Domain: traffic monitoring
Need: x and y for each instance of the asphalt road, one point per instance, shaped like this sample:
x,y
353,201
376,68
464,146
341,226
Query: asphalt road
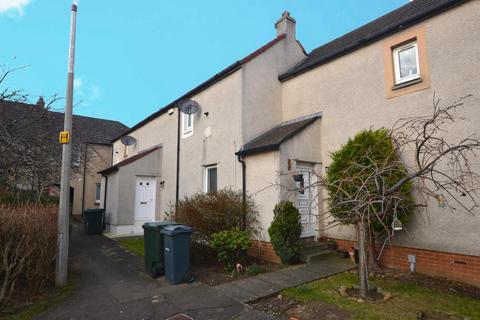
x,y
112,284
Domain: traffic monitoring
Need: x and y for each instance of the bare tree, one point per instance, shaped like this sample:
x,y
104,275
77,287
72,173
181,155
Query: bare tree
x,y
426,158
30,155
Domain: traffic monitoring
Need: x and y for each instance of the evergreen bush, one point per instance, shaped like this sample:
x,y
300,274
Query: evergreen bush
x,y
369,152
285,231
231,246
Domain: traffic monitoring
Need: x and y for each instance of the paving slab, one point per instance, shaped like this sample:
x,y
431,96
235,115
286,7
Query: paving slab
x,y
253,288
250,314
235,292
283,280
259,287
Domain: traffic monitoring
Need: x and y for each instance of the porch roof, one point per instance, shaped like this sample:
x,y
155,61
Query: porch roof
x,y
127,161
273,138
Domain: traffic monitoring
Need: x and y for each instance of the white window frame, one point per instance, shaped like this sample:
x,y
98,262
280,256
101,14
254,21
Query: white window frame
x,y
396,62
98,185
206,181
187,131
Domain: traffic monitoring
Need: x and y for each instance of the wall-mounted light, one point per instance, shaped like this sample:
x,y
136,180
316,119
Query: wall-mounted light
x,y
442,201
300,182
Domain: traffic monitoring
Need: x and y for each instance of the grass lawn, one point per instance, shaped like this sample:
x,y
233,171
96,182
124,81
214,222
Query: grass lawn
x,y
133,244
409,299
43,303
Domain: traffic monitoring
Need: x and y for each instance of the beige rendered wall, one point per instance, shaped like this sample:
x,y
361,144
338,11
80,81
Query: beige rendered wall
x,y
148,166
262,105
351,93
96,158
99,157
222,101
302,149
112,197
161,131
263,186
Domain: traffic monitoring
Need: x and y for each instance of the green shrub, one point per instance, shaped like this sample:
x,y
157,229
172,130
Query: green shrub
x,y
231,246
285,231
209,213
351,172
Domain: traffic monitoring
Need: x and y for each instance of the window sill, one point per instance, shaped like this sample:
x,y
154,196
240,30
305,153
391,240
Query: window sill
x,y
186,135
406,84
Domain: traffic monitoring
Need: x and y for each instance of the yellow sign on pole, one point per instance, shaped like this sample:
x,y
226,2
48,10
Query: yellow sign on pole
x,y
64,137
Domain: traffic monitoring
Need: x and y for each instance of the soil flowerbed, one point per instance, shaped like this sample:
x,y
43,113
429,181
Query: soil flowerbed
x,y
204,264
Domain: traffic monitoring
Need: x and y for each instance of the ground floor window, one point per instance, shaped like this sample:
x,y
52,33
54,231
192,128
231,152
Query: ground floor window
x,y
97,192
211,179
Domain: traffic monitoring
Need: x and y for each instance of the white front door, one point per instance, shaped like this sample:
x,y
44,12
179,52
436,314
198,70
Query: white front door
x,y
145,199
305,199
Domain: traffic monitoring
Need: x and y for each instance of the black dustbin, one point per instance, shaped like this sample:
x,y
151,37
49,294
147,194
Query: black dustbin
x,y
176,241
153,246
93,220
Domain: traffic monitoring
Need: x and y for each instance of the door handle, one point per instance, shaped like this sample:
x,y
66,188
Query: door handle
x,y
143,202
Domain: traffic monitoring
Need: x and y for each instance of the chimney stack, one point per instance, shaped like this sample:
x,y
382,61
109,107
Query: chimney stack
x,y
286,24
41,103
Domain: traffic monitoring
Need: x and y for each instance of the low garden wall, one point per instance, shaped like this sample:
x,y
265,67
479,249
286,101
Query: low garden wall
x,y
459,267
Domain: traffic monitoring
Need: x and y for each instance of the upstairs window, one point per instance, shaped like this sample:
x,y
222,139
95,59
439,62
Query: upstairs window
x,y
406,63
211,179
187,125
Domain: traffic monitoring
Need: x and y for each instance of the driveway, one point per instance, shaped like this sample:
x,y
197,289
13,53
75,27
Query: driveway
x,y
113,285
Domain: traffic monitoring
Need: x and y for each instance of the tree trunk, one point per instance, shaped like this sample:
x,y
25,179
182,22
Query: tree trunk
x,y
362,259
373,265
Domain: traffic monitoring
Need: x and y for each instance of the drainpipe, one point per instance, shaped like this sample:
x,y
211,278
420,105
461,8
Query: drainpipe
x,y
84,175
244,190
178,161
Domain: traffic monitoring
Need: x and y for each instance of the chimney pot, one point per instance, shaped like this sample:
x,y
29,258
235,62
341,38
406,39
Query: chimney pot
x,y
41,102
286,24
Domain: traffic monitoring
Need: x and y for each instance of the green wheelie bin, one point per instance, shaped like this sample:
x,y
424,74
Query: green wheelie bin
x,y
153,247
93,220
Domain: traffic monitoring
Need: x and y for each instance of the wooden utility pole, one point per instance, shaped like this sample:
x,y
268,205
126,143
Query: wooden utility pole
x,y
66,139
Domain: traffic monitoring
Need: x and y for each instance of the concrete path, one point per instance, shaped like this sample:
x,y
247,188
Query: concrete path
x,y
113,285
254,288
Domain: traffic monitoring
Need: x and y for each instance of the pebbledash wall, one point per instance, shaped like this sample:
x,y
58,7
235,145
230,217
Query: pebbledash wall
x,y
353,95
